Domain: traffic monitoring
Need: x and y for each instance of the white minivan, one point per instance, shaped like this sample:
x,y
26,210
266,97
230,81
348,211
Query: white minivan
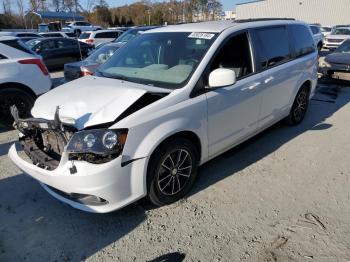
x,y
165,103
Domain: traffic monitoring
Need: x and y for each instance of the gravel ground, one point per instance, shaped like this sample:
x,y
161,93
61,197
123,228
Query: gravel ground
x,y
282,196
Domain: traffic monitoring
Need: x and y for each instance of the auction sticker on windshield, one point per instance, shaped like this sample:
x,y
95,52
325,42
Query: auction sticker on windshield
x,y
201,36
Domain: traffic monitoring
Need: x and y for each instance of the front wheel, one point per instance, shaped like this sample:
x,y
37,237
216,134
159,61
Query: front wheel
x,y
300,106
172,171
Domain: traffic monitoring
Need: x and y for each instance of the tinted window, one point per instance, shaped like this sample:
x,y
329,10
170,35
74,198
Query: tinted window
x,y
84,36
235,55
70,34
107,35
63,43
51,35
315,30
274,46
47,45
27,35
303,41
2,57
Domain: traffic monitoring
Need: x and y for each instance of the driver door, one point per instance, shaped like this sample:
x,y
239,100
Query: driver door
x,y
233,111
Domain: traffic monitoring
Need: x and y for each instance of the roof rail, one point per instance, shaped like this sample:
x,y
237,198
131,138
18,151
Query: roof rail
x,y
260,19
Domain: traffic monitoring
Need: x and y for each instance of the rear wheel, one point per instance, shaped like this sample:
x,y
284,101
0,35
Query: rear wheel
x,y
13,96
300,106
172,171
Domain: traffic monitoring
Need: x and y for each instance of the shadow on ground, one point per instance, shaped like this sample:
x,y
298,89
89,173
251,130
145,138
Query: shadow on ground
x,y
51,231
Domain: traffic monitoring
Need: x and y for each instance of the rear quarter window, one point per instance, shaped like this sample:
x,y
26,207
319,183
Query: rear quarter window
x,y
274,46
302,40
84,36
2,57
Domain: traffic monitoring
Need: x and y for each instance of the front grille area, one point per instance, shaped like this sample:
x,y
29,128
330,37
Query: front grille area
x,y
45,146
334,40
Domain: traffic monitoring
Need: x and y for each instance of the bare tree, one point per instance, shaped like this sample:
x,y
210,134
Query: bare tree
x,y
6,5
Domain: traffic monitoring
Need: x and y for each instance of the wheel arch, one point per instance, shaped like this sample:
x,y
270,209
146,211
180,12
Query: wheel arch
x,y
19,86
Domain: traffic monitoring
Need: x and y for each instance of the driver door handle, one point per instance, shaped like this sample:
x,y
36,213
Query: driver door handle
x,y
269,79
252,86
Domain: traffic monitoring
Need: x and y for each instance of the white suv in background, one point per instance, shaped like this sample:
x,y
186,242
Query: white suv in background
x,y
78,27
99,37
317,36
23,77
338,36
170,100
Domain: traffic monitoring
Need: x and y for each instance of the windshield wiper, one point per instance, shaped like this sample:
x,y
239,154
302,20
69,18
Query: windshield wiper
x,y
114,76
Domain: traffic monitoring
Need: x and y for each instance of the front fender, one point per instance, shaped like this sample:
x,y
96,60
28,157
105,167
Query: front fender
x,y
165,130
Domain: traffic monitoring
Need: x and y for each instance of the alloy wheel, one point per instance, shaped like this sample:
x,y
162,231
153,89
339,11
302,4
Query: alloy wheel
x,y
174,172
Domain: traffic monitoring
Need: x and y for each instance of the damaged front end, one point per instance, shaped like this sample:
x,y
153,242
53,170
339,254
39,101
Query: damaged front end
x,y
43,140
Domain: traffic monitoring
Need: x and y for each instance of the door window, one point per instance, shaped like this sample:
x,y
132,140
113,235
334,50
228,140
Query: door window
x,y
235,55
303,41
47,45
63,44
273,45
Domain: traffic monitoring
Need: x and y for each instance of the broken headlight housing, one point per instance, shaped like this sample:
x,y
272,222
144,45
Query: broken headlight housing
x,y
97,146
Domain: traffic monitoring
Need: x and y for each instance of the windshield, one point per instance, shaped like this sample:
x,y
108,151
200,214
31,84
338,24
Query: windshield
x,y
127,36
344,48
67,24
164,60
341,31
101,55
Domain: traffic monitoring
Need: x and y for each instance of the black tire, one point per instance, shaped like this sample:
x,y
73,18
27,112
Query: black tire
x,y
14,96
300,106
160,167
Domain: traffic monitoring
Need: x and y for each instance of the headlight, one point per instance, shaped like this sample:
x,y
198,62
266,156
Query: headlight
x,y
324,63
97,146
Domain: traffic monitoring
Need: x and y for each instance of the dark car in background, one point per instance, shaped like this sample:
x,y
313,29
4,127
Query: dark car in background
x,y
58,51
128,35
91,63
337,64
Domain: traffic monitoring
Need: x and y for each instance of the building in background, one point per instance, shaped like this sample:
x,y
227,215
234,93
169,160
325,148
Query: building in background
x,y
230,15
324,12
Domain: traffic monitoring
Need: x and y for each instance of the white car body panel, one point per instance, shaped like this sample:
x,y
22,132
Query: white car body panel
x,y
220,118
14,72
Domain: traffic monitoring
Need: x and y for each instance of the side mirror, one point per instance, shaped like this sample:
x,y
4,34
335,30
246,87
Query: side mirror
x,y
222,77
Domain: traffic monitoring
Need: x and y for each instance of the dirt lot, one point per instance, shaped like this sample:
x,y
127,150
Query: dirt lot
x,y
283,196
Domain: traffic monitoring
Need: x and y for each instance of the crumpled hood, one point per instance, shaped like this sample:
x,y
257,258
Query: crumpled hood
x,y
87,101
338,58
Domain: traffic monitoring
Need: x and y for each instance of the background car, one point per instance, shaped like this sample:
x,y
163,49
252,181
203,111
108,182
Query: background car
x,y
326,30
91,63
337,37
99,37
129,35
58,51
21,34
78,27
23,77
317,36
58,34
337,64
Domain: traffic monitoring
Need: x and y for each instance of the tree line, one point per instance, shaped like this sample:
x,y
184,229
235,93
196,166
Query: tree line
x,y
98,12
